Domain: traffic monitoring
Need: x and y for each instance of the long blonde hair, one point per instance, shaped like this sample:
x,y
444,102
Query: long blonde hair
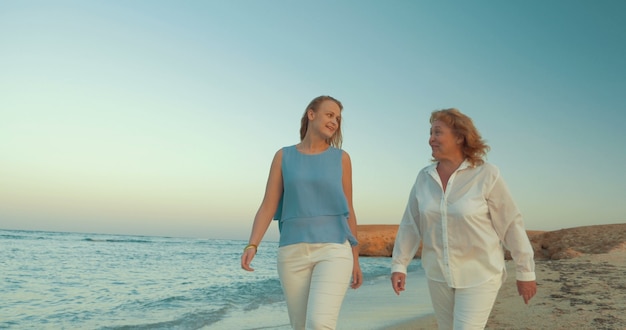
x,y
474,148
337,138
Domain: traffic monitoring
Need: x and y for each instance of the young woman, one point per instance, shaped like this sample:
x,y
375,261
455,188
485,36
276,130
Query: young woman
x,y
309,190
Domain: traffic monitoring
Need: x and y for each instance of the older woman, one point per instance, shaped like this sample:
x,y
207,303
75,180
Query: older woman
x,y
462,212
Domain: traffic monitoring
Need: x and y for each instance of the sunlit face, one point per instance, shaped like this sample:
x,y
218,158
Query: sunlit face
x,y
325,121
443,141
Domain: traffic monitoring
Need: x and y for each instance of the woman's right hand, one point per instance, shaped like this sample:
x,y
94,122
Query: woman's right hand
x,y
246,259
397,282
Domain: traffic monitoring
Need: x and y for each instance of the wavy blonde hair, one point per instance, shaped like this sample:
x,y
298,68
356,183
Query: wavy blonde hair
x,y
337,138
474,148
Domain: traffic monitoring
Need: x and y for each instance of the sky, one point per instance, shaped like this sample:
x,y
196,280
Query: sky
x,y
162,117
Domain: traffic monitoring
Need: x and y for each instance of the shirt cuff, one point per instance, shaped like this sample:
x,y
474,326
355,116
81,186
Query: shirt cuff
x,y
528,276
398,268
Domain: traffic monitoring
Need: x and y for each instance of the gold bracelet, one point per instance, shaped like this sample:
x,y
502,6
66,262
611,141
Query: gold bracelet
x,y
250,246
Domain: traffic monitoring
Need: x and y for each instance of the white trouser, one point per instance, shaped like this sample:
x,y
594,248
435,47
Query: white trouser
x,y
465,309
315,278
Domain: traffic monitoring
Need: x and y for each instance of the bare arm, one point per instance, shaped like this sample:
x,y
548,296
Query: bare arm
x,y
357,275
263,217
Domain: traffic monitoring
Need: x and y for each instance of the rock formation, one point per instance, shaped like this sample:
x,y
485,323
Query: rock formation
x,y
378,240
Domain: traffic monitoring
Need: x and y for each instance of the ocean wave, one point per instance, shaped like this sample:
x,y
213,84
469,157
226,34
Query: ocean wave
x,y
80,281
116,240
192,320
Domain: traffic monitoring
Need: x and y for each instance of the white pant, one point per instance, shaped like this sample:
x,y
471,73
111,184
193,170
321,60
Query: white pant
x,y
465,309
315,278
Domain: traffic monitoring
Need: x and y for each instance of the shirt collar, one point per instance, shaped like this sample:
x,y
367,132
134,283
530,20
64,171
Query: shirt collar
x,y
464,165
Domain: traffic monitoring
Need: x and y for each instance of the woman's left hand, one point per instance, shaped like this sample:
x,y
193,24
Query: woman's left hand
x,y
527,289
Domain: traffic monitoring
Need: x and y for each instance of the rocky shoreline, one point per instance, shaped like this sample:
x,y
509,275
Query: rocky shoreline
x,y
378,240
581,280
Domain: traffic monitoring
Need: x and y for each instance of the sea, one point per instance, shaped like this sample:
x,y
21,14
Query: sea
x,y
58,280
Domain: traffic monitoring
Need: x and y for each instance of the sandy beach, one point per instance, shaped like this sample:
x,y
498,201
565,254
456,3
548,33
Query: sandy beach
x,y
587,292
581,279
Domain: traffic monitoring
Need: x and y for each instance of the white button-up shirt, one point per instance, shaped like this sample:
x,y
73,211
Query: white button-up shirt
x,y
463,230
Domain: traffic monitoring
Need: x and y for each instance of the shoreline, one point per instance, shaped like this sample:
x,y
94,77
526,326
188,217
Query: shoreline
x,y
374,306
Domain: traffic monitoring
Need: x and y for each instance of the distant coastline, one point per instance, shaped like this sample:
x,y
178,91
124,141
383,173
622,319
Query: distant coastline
x,y
378,240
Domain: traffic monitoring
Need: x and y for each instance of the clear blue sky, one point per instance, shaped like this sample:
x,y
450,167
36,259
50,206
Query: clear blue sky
x,y
162,117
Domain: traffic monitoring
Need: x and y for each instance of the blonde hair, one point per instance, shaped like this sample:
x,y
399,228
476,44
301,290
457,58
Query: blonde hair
x,y
337,138
474,148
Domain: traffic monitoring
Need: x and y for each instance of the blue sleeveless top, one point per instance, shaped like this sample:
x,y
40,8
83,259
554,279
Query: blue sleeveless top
x,y
313,208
